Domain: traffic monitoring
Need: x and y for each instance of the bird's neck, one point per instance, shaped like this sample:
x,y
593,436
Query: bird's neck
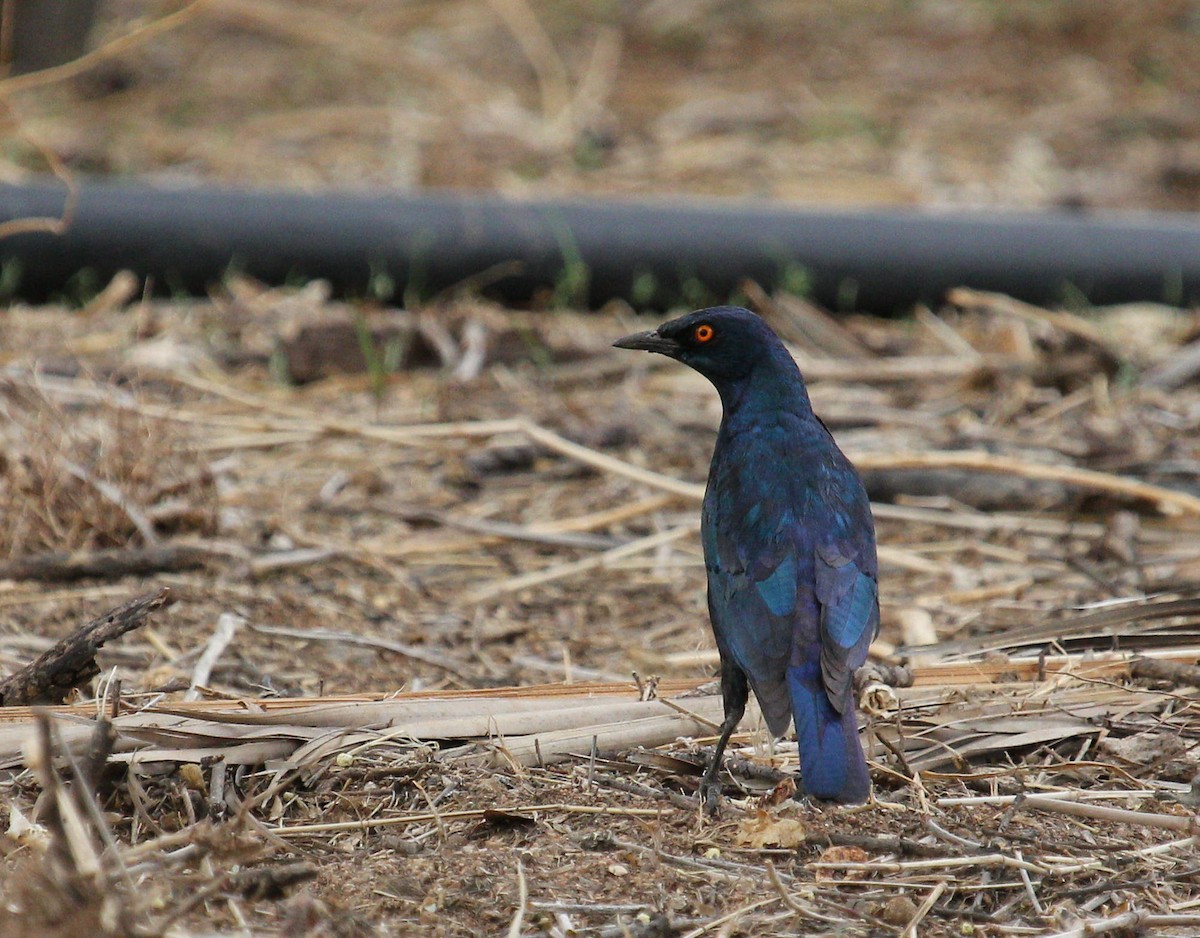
x,y
774,385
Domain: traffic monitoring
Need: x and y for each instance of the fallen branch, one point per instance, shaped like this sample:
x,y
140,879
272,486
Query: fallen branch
x,y
72,661
104,564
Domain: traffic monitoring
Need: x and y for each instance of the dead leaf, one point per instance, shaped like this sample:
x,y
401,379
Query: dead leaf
x,y
782,793
764,830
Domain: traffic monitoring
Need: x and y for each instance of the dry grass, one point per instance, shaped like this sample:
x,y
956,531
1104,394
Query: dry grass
x,y
80,477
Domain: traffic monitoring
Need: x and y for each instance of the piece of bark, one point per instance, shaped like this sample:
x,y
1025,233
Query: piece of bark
x,y
110,564
50,677
1176,672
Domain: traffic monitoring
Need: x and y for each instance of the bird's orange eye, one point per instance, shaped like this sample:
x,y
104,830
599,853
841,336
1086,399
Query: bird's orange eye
x,y
704,333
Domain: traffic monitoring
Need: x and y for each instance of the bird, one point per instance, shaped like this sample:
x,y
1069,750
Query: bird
x,y
789,551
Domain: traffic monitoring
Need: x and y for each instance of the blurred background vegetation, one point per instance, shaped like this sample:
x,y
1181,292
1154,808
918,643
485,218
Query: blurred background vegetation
x,y
1023,103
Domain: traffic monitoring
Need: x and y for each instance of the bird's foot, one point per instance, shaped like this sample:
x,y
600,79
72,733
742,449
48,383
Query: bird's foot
x,y
710,796
842,807
873,803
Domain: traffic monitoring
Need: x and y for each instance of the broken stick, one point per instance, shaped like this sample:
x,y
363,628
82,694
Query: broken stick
x,y
104,564
72,661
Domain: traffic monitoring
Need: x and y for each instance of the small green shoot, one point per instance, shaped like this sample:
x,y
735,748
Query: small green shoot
x,y
1073,298
279,367
381,285
539,352
416,287
10,278
376,359
81,287
643,289
571,285
1172,287
847,294
695,292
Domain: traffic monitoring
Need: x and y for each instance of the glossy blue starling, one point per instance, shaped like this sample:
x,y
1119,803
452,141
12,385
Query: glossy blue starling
x,y
789,546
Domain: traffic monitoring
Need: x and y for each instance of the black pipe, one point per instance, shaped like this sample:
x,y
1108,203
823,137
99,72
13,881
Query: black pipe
x,y
653,253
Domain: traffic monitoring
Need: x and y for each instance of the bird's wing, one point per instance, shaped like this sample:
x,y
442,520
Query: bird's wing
x,y
753,580
791,566
848,596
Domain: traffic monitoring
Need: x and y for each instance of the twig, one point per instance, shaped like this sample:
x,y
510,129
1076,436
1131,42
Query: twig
x,y
729,917
444,662
514,930
950,836
529,662
909,866
1115,815
56,226
1168,501
105,564
296,830
710,866
590,457
1174,671
290,559
120,290
1175,370
1029,890
85,798
1069,323
1135,921
1063,796
910,930
788,899
588,908
991,521
558,572
501,529
227,625
547,64
71,840
636,788
711,724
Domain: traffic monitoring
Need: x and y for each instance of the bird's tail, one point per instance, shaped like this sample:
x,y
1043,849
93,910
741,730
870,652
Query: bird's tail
x,y
832,764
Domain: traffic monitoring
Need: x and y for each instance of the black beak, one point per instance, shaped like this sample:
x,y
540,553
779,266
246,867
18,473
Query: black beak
x,y
650,342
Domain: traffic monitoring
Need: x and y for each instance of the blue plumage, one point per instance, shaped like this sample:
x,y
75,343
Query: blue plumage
x,y
789,546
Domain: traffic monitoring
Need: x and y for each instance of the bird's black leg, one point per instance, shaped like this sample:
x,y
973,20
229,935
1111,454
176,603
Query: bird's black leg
x,y
734,691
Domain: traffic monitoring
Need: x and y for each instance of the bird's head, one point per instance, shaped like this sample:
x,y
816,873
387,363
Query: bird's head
x,y
724,343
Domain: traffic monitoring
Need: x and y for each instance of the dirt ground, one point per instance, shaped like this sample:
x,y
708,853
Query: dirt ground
x,y
466,498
